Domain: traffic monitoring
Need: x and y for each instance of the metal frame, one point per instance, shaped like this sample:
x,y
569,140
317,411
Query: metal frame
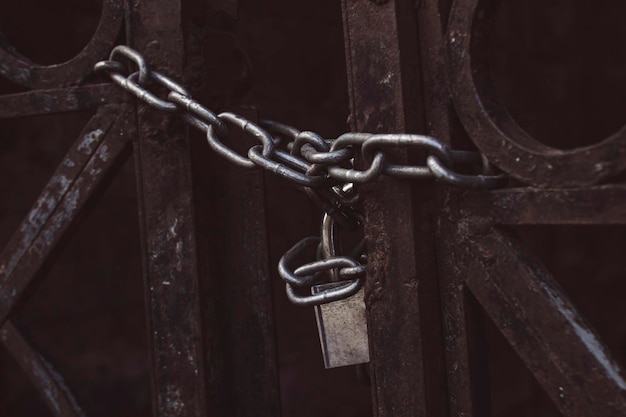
x,y
432,250
177,324
476,259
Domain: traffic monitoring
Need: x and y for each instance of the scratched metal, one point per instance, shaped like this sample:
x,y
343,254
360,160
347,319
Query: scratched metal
x,y
342,329
492,128
58,100
163,169
552,338
478,268
400,292
97,152
236,290
602,204
465,392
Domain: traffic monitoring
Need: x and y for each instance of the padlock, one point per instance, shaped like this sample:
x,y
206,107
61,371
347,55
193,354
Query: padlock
x,y
342,329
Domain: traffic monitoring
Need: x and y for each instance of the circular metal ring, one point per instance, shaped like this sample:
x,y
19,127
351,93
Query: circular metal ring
x,y
493,129
24,72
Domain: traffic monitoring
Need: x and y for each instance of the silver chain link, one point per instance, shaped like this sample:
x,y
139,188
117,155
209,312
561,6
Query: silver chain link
x,y
325,169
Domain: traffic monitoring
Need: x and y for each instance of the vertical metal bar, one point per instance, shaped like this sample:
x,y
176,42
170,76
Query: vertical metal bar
x,y
467,380
237,302
383,75
167,224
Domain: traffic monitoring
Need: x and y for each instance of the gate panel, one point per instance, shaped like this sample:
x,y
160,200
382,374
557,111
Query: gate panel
x,y
482,269
163,170
441,260
401,291
478,269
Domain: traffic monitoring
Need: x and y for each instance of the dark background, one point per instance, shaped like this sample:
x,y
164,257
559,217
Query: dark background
x,y
557,65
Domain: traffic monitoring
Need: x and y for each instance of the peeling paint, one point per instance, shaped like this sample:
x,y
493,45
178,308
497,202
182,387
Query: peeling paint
x,y
103,152
172,228
387,79
89,139
64,215
173,403
36,218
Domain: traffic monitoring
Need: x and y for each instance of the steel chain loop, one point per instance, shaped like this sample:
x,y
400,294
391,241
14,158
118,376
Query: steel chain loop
x,y
325,169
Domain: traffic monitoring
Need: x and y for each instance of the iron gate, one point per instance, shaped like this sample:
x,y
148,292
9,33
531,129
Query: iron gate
x,y
441,260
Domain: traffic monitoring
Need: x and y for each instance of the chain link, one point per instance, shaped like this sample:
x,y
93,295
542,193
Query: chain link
x,y
325,169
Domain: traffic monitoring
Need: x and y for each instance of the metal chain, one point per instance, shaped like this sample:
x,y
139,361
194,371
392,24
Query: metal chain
x,y
325,169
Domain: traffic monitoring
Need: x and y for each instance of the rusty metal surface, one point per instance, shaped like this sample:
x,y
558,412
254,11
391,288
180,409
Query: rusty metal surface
x,y
465,391
89,162
243,366
439,261
58,100
483,271
492,128
582,206
231,225
543,326
167,225
554,340
468,385
235,285
401,289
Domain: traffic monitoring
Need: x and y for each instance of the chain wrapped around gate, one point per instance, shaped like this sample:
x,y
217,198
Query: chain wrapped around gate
x,y
325,169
